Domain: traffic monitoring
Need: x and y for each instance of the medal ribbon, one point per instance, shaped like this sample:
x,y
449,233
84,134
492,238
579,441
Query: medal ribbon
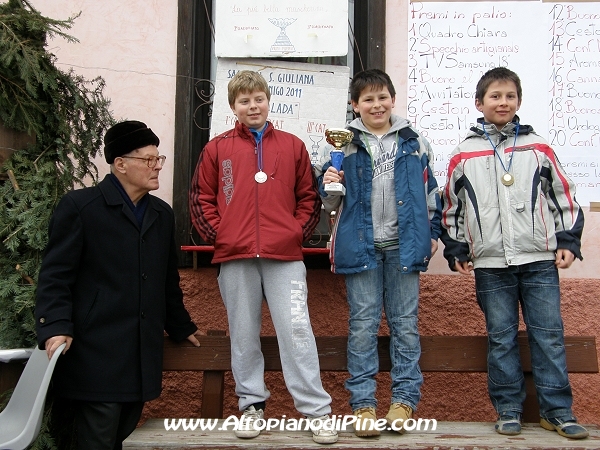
x,y
258,135
506,170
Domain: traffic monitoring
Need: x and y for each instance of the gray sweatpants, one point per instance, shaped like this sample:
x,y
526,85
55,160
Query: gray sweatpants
x,y
242,283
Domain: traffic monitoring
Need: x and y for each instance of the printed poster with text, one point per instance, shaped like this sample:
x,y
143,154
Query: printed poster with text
x,y
285,28
553,47
573,86
450,46
306,99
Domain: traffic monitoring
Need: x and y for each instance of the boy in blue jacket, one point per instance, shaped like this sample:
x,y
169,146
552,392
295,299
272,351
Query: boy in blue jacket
x,y
385,233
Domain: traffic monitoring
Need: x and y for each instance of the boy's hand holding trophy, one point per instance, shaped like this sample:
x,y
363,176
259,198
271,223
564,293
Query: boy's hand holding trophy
x,y
338,137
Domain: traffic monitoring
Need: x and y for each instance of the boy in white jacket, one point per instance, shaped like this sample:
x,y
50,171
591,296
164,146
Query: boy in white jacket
x,y
510,215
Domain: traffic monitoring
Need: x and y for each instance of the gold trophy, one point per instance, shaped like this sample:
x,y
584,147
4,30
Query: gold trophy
x,y
338,137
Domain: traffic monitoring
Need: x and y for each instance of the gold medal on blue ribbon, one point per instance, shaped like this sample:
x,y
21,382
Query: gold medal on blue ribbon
x,y
507,179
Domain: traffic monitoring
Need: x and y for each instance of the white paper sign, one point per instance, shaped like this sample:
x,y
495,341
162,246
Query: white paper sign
x,y
450,46
306,99
553,47
286,28
573,86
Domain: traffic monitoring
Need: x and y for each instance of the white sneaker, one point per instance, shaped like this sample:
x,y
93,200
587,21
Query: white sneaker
x,y
323,430
246,428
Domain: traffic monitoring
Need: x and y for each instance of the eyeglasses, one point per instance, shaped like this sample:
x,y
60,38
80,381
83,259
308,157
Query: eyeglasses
x,y
151,161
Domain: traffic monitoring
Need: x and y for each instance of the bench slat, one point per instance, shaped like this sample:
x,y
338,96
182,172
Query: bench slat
x,y
448,435
439,354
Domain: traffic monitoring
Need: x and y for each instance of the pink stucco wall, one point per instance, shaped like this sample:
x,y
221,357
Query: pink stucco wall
x,y
447,307
133,47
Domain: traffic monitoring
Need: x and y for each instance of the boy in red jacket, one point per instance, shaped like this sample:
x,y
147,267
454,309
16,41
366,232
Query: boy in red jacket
x,y
254,197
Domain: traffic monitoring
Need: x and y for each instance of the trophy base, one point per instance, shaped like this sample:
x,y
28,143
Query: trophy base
x,y
335,189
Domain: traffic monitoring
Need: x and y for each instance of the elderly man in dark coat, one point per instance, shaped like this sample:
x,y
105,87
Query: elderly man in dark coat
x,y
109,288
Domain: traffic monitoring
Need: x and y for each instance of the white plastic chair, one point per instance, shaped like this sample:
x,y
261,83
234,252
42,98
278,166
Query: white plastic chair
x,y
21,420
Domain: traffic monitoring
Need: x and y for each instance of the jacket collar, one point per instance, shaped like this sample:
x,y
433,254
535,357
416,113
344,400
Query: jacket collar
x,y
397,123
113,197
509,129
243,131
400,126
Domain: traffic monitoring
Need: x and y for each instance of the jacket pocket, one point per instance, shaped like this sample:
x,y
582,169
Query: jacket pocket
x,y
275,174
90,312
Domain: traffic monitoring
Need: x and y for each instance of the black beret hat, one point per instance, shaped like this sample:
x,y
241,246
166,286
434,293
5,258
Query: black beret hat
x,y
126,137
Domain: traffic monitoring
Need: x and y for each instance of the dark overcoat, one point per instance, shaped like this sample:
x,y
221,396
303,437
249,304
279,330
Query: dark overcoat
x,y
114,287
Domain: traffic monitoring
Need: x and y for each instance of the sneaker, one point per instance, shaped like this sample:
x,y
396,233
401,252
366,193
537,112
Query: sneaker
x,y
365,423
323,434
397,415
509,423
246,428
568,428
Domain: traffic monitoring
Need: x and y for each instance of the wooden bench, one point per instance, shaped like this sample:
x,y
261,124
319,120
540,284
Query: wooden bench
x,y
195,249
439,354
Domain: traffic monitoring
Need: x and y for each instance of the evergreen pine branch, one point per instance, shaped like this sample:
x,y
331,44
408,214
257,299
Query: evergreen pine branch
x,y
68,116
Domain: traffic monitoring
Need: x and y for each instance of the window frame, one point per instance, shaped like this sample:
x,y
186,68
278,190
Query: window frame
x,y
194,91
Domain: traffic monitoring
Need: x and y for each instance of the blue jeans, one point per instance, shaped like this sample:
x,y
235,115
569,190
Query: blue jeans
x,y
536,287
397,292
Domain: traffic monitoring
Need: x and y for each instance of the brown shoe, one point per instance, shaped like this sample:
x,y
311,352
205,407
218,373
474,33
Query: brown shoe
x,y
397,415
365,425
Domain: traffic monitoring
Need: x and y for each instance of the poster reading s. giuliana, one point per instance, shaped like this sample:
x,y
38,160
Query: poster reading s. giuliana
x,y
306,99
282,28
